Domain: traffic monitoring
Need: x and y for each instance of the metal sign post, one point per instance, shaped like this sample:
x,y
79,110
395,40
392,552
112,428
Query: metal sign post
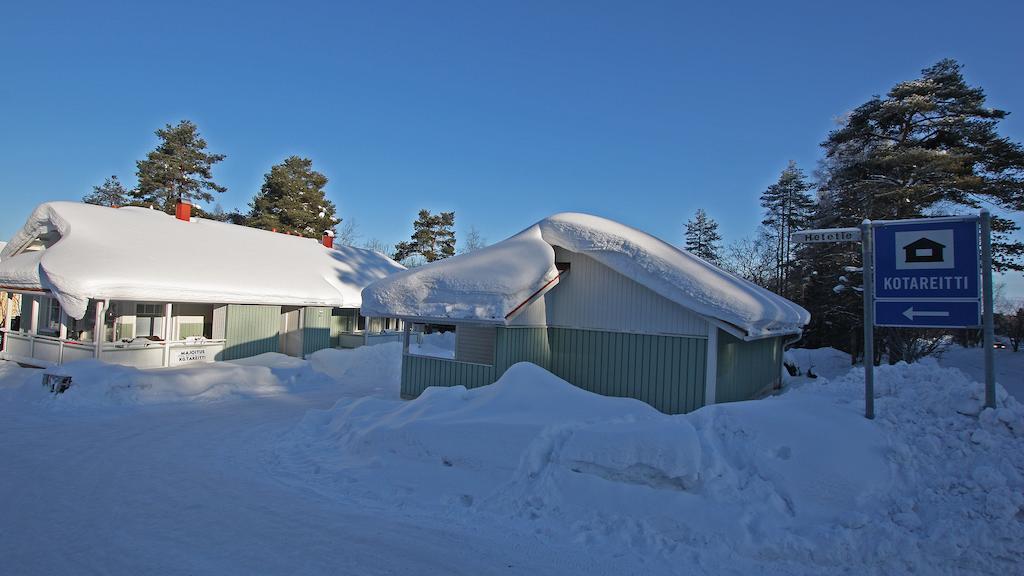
x,y
989,329
868,260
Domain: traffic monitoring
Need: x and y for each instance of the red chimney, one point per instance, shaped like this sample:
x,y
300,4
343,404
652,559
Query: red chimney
x,y
183,211
328,239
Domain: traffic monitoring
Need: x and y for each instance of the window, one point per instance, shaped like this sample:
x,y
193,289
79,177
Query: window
x,y
434,340
49,316
149,320
473,343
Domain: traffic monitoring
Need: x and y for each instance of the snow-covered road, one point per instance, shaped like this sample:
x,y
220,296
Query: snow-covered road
x,y
187,490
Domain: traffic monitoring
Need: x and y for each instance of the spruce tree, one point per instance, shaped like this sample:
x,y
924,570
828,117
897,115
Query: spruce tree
x,y
433,237
292,200
179,168
702,237
110,193
788,207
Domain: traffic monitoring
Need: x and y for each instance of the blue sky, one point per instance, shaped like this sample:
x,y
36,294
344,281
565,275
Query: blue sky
x,y
502,111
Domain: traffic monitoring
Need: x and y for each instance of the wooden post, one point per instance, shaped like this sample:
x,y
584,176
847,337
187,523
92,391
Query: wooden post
x,y
711,366
33,326
168,333
99,330
62,335
10,311
8,308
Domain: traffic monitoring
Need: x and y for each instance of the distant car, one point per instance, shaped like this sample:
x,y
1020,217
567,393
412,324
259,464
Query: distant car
x,y
998,344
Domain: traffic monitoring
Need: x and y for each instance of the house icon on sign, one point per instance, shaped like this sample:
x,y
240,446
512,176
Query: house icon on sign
x,y
924,250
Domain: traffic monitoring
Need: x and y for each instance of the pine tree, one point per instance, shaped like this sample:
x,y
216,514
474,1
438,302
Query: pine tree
x,y
292,200
702,237
930,145
110,193
433,237
788,207
178,169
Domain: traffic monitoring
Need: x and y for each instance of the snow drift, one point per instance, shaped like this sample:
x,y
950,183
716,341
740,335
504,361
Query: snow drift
x,y
799,483
362,372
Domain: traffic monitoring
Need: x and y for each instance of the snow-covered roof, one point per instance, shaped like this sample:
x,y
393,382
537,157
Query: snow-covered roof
x,y
142,254
489,284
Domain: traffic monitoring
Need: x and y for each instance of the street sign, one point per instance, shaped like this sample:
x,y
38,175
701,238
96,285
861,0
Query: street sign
x,y
826,235
926,273
927,314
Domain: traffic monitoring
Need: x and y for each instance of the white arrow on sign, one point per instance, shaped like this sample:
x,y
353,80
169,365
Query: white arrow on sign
x,y
911,313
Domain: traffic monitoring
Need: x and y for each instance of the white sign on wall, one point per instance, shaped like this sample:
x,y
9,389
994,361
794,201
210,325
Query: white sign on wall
x,y
189,355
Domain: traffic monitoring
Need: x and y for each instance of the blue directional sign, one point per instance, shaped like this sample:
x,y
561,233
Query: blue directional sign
x,y
927,273
927,314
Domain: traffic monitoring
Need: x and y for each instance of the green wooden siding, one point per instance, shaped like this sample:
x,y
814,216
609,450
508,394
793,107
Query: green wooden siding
x,y
667,372
190,329
316,331
521,345
747,369
421,372
250,330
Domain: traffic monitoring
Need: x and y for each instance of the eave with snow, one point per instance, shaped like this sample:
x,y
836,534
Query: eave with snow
x,y
173,289
582,296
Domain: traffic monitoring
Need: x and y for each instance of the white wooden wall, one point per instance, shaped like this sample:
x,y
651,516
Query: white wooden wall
x,y
593,296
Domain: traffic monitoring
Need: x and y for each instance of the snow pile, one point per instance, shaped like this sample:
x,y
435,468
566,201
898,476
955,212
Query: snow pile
x,y
798,483
827,362
96,383
486,428
365,371
459,444
490,283
960,496
226,262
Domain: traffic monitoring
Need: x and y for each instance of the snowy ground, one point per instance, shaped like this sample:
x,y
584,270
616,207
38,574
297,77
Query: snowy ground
x,y
281,466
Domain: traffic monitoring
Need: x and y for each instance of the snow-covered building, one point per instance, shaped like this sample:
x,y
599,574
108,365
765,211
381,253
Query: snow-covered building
x,y
602,305
139,287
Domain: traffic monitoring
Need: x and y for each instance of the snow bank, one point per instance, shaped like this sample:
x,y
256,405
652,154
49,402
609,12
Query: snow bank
x,y
490,283
827,362
365,371
490,428
225,262
798,483
96,383
360,372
